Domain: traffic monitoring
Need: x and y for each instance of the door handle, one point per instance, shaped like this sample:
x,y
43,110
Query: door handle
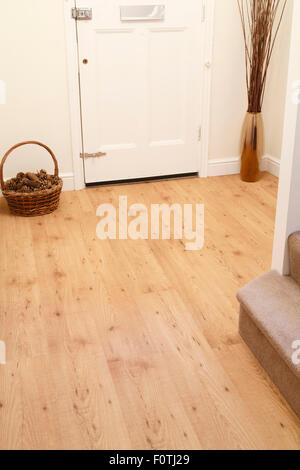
x,y
93,155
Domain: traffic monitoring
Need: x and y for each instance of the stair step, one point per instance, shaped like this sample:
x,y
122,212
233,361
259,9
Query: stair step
x,y
273,303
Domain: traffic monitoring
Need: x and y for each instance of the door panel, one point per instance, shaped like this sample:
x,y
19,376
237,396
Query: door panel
x,y
167,85
140,90
117,85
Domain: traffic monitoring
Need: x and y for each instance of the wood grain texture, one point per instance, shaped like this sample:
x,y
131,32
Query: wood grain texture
x,y
134,344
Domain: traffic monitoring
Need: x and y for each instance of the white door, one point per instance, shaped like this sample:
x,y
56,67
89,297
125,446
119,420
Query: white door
x,y
141,85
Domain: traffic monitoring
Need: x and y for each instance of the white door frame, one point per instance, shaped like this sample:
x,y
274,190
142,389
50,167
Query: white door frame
x,y
74,90
288,211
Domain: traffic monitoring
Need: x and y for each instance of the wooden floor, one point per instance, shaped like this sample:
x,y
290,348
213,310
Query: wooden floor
x,y
134,344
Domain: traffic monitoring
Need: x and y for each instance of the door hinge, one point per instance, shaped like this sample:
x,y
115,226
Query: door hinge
x,y
93,155
82,13
200,134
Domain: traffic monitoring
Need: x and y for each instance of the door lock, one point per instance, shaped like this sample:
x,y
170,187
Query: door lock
x,y
82,13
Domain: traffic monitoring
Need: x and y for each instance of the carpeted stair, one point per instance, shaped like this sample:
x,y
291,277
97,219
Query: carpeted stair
x,y
270,324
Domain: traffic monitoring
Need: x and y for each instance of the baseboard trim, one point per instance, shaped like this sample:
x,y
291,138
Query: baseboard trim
x,y
216,167
69,181
231,166
224,166
272,165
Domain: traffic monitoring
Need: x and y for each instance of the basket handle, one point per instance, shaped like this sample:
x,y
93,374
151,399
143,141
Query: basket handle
x,y
30,142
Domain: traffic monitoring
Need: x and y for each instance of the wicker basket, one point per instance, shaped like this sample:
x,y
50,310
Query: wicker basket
x,y
36,203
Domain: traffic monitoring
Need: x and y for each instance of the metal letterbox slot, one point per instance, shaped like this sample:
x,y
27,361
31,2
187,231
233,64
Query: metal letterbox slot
x,y
142,12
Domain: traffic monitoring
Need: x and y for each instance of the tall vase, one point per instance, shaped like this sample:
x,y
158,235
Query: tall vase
x,y
252,145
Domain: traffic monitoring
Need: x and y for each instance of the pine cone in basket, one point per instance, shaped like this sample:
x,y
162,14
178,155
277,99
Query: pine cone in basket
x,y
31,182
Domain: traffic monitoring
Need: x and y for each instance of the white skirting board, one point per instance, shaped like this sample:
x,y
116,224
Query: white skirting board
x,y
216,167
231,166
69,183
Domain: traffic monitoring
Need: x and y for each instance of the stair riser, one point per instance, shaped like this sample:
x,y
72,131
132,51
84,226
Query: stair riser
x,y
277,369
294,253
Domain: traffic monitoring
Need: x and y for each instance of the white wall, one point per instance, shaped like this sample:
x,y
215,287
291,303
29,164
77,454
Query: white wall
x,y
274,105
229,99
33,64
229,95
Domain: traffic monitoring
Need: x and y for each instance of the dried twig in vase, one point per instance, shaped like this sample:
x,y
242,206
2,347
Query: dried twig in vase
x,y
261,20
